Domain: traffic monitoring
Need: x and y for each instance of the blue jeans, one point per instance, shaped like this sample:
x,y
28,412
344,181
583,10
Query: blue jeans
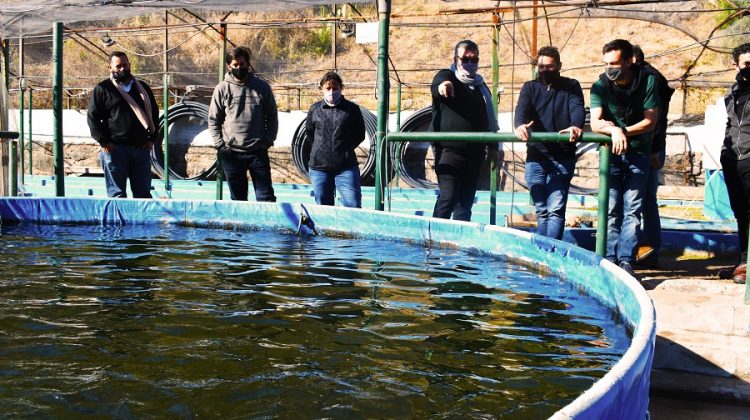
x,y
628,176
345,181
127,161
549,182
651,233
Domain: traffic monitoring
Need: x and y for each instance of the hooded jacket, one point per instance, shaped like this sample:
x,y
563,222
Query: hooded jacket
x,y
737,134
335,132
243,115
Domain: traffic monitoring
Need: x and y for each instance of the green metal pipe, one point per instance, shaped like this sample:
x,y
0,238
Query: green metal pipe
x,y
31,108
21,124
222,70
492,137
167,187
13,169
604,157
493,193
603,204
384,15
57,107
495,60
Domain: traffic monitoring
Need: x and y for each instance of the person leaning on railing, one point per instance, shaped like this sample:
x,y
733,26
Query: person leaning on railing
x,y
625,106
549,103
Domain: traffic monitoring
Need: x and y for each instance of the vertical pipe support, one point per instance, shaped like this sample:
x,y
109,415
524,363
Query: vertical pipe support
x,y
495,105
57,107
603,205
384,14
21,108
31,107
165,146
222,70
13,168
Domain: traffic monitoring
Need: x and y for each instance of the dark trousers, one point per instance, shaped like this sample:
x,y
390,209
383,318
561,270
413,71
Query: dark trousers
x,y
237,165
457,182
737,178
127,162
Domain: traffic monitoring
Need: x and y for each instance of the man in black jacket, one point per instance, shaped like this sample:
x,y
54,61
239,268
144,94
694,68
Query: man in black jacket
x,y
461,102
335,128
123,116
550,103
735,155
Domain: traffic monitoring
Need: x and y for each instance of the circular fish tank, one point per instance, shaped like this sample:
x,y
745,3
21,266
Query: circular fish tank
x,y
129,308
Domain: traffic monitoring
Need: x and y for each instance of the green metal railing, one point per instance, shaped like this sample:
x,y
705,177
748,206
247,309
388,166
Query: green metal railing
x,y
604,157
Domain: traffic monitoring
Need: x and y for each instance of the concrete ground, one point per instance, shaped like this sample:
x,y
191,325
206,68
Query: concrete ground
x,y
702,357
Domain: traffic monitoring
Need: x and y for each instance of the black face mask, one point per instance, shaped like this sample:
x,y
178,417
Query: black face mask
x,y
240,73
121,76
549,77
744,74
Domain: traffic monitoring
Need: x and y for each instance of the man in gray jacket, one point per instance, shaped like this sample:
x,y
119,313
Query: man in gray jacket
x,y
734,156
243,123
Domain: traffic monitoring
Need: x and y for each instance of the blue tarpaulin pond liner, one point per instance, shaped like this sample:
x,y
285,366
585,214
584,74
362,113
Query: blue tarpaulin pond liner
x,y
622,393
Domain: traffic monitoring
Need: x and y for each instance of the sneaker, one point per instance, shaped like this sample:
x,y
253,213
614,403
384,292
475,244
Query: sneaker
x,y
726,273
629,269
643,252
739,275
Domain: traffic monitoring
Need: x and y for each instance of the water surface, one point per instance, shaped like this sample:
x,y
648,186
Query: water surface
x,y
168,321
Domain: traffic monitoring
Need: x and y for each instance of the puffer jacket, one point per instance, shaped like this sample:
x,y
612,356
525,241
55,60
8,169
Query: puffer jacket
x,y
335,132
243,115
737,134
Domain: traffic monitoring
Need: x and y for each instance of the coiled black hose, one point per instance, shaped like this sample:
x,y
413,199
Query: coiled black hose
x,y
301,147
414,158
193,118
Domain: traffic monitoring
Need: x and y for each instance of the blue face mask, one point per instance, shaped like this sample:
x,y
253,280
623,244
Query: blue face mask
x,y
470,68
332,97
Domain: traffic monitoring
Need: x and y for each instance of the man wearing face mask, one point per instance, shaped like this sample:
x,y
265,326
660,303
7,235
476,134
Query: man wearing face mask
x,y
335,128
461,102
243,123
123,117
735,154
625,106
547,104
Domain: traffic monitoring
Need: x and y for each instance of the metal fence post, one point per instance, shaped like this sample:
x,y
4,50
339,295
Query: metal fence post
x,y
603,206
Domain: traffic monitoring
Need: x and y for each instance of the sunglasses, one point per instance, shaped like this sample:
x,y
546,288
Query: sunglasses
x,y
466,60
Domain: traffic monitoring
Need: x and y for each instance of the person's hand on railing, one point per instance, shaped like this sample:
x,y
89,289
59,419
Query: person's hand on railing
x,y
523,131
619,141
575,133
